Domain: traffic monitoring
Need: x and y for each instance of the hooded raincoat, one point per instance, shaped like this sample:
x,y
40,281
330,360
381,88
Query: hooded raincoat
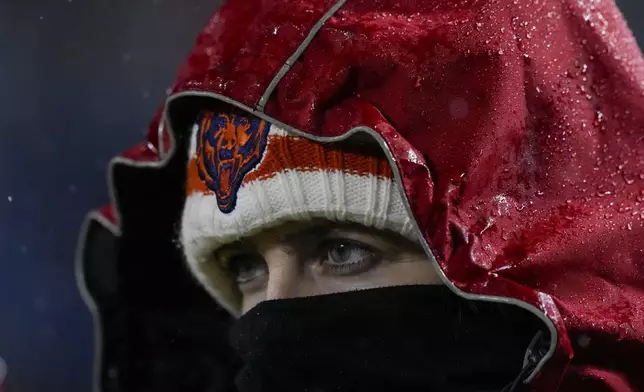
x,y
515,129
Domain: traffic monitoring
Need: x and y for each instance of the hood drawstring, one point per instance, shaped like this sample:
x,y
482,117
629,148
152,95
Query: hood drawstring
x,y
537,349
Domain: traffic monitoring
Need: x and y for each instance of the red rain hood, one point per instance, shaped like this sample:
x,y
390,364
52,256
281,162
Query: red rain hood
x,y
516,128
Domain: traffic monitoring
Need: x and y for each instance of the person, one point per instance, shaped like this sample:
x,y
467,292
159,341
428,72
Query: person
x,y
437,195
312,245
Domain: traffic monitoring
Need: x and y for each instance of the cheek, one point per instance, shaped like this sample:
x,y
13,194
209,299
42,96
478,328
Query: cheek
x,y
409,273
249,301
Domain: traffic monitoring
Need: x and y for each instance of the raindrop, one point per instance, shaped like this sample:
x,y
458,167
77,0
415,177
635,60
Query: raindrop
x,y
42,17
629,226
458,108
10,199
526,59
603,193
584,341
599,119
72,188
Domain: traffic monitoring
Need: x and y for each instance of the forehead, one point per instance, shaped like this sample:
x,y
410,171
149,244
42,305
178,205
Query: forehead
x,y
292,231
296,231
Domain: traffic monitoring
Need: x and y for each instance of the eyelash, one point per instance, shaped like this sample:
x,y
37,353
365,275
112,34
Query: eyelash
x,y
322,257
348,268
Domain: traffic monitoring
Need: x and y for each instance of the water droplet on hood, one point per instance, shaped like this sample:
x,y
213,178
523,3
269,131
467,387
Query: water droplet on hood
x,y
526,59
459,108
583,341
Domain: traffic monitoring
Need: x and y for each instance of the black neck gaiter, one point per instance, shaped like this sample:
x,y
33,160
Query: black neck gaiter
x,y
406,338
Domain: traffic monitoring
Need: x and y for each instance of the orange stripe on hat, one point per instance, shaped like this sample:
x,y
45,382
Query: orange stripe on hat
x,y
293,153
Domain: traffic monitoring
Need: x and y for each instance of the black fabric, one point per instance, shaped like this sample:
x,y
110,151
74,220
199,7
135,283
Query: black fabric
x,y
407,338
161,332
99,270
101,280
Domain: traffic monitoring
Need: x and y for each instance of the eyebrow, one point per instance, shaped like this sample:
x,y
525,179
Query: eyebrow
x,y
319,228
314,229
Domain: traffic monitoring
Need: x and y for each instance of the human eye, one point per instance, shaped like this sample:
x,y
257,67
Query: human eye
x,y
348,257
247,269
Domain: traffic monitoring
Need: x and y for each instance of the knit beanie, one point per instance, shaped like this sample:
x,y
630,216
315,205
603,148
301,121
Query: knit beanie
x,y
246,175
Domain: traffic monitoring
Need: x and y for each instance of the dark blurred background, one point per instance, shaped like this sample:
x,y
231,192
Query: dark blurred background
x,y
79,82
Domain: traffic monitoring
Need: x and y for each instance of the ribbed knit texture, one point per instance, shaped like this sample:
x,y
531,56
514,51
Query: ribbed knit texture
x,y
296,179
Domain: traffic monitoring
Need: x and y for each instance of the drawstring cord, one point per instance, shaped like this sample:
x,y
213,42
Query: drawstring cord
x,y
535,352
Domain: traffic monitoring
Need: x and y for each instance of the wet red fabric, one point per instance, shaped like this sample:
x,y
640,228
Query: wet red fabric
x,y
518,130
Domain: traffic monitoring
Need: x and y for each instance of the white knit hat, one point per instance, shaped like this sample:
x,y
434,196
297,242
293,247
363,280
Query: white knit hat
x,y
246,175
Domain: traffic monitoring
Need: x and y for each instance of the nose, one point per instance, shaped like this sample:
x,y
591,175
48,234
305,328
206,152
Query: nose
x,y
286,277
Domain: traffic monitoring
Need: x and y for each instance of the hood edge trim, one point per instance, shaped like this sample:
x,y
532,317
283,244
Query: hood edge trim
x,y
88,300
96,216
298,52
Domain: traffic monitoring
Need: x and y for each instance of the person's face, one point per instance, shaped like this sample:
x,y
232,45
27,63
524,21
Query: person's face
x,y
321,257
